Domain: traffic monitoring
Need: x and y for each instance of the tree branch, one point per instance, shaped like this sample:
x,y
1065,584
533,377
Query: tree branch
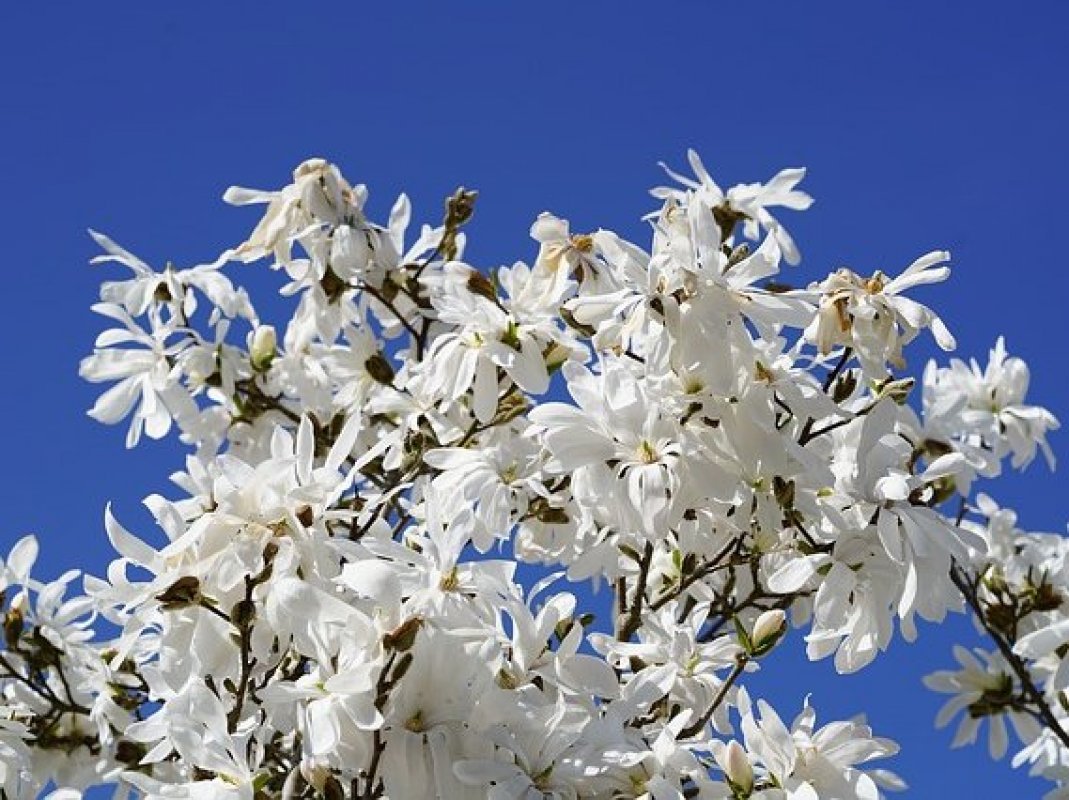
x,y
967,587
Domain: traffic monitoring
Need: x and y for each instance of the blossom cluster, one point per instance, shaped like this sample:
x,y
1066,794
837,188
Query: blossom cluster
x,y
690,454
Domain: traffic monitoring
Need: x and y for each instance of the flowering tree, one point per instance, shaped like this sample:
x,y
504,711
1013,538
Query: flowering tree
x,y
336,611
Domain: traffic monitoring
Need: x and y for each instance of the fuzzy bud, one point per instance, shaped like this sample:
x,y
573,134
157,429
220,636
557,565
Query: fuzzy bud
x,y
379,368
182,593
404,636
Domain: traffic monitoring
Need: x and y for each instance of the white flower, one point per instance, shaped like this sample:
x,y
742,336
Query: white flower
x,y
317,196
428,723
907,530
16,774
617,430
984,687
809,762
146,374
563,256
871,315
497,478
320,610
530,762
675,650
750,202
986,407
489,336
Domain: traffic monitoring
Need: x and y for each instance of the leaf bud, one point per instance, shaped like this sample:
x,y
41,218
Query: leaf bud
x,y
162,293
726,219
896,389
333,286
380,369
183,592
129,752
551,515
1047,598
243,614
482,286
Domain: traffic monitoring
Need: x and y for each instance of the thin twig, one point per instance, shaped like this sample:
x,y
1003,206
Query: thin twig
x,y
699,724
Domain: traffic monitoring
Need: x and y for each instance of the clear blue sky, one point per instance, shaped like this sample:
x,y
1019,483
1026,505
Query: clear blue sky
x,y
924,125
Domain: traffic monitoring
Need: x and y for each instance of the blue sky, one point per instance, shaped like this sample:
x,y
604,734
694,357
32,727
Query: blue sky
x,y
924,125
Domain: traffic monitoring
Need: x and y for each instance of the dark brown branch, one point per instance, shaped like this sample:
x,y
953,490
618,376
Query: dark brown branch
x,y
243,621
633,621
807,429
699,572
967,587
699,724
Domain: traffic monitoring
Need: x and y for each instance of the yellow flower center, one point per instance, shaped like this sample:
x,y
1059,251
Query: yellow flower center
x,y
647,453
875,284
415,723
583,242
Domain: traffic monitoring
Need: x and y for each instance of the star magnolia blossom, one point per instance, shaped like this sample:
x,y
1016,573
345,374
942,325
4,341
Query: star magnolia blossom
x,y
375,573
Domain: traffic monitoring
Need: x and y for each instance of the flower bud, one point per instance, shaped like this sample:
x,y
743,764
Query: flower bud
x,y
404,636
262,347
380,369
479,284
460,207
737,769
767,630
243,614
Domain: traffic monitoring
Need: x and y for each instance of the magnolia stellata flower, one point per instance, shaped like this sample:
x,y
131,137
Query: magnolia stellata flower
x,y
374,577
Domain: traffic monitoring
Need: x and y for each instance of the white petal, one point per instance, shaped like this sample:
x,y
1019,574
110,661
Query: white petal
x,y
125,543
22,557
793,575
1044,641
